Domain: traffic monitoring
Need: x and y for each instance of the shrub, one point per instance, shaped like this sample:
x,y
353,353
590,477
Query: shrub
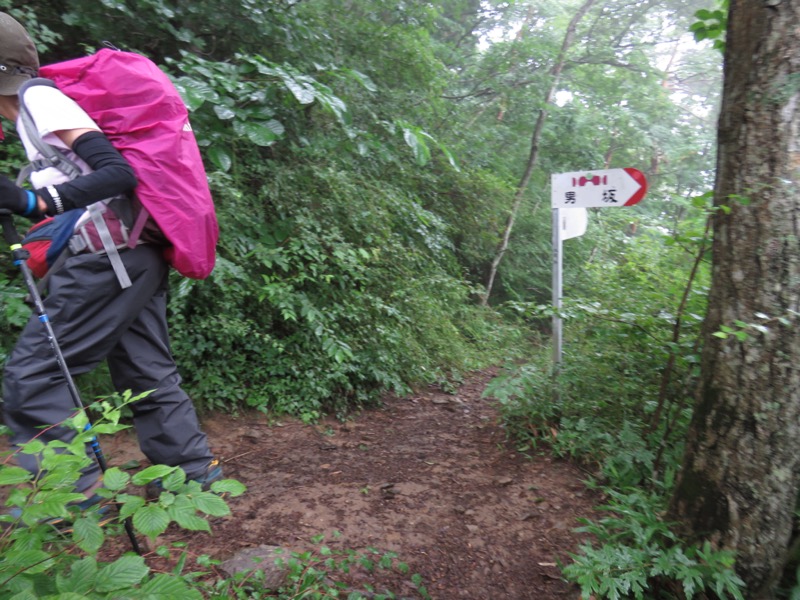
x,y
637,555
40,560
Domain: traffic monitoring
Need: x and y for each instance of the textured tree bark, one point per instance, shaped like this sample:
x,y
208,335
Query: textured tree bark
x,y
741,472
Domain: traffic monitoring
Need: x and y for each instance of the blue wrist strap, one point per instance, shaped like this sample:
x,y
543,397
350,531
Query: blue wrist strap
x,y
31,203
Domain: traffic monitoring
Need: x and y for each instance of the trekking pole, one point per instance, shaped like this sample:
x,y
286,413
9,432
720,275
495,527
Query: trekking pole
x,y
19,255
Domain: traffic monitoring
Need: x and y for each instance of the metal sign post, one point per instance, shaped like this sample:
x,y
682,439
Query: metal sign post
x,y
557,287
581,190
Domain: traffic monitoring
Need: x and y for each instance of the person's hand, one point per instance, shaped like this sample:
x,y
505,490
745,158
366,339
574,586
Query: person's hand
x,y
13,198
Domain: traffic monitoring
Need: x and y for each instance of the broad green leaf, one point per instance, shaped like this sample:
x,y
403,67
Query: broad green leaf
x,y
49,504
21,588
11,475
330,101
32,447
276,127
130,504
122,573
150,473
107,428
181,508
363,79
220,158
224,113
268,69
259,133
80,578
449,155
303,91
174,480
169,587
195,92
211,504
229,486
151,520
28,561
193,522
88,534
115,479
421,151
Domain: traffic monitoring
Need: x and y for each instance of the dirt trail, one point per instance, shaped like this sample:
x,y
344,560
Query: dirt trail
x,y
430,477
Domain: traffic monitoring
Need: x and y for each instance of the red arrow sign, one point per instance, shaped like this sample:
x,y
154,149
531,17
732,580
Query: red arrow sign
x,y
605,188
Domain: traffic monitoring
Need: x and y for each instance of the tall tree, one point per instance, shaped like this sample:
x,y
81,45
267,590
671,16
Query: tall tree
x,y
739,483
555,74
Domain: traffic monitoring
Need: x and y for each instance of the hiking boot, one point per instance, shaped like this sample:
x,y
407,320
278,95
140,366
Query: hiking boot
x,y
213,473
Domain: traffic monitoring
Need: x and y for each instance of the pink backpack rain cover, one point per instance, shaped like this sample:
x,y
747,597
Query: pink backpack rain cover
x,y
144,117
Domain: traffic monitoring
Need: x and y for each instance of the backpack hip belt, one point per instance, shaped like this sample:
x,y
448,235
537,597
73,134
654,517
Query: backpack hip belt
x,y
100,239
53,240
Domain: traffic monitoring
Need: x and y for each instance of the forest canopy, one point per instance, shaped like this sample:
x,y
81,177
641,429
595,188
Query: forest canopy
x,y
381,172
364,168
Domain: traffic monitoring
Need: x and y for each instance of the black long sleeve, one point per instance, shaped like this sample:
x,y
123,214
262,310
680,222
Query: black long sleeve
x,y
112,175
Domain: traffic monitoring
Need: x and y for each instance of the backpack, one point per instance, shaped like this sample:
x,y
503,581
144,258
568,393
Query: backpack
x,y
138,108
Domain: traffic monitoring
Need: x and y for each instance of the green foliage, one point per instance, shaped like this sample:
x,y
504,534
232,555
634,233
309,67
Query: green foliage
x,y
419,140
310,573
321,573
623,336
598,420
320,315
637,555
763,325
352,250
712,24
251,99
636,330
13,311
43,35
40,558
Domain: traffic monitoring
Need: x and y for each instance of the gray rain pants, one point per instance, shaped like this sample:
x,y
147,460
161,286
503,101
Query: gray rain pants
x,y
94,319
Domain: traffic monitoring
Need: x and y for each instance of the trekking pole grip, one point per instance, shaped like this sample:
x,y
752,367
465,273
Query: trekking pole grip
x,y
9,231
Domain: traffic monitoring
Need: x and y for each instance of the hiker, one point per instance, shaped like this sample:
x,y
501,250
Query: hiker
x,y
92,315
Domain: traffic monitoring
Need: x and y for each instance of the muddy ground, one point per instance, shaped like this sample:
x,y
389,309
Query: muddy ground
x,y
430,477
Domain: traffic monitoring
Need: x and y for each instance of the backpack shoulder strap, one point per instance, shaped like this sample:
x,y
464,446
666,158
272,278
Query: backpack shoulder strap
x,y
53,157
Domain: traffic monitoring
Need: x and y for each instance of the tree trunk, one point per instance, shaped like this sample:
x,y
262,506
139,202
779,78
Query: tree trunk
x,y
555,76
741,471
